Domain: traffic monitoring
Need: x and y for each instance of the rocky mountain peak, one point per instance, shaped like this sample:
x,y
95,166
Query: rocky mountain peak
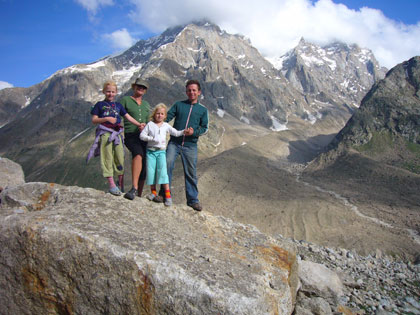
x,y
235,77
143,49
336,73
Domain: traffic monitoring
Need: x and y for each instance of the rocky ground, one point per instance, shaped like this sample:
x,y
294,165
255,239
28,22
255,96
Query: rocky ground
x,y
373,284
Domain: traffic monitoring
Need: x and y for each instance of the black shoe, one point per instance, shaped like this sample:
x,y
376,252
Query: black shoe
x,y
196,206
131,194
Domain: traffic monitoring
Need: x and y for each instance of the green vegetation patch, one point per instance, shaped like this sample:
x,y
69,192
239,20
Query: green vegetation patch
x,y
413,147
392,150
379,143
412,167
413,163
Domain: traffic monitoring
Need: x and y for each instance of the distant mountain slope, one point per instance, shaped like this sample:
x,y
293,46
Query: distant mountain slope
x,y
386,127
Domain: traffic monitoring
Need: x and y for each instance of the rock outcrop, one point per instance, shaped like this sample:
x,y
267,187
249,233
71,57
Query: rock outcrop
x,y
11,173
71,250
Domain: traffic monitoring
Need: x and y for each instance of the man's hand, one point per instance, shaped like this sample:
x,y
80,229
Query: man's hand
x,y
189,131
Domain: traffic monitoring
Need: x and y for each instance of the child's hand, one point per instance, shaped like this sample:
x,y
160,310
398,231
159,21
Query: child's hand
x,y
142,125
112,120
189,131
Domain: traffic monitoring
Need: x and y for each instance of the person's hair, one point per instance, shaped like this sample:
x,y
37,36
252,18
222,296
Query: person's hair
x,y
189,82
158,106
109,83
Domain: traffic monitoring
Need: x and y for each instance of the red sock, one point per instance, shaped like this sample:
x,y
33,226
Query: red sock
x,y
167,194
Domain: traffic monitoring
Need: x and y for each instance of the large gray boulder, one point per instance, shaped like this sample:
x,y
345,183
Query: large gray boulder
x,y
71,250
11,173
318,280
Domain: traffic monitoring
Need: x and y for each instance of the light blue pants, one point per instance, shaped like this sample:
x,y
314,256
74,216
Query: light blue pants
x,y
156,167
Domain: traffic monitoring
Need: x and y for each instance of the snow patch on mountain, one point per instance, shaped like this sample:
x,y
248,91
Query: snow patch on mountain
x,y
245,120
122,76
277,62
220,112
78,135
79,68
277,125
28,101
312,118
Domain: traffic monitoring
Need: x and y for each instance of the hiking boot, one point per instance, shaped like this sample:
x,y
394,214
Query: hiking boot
x,y
158,199
168,202
115,191
131,194
151,196
196,206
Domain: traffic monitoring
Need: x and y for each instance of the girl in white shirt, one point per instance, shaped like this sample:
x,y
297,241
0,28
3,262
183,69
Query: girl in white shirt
x,y
155,134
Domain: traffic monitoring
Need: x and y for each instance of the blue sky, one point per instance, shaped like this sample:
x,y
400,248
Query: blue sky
x,y
37,38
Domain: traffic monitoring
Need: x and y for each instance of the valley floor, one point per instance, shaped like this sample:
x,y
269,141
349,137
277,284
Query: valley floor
x,y
262,182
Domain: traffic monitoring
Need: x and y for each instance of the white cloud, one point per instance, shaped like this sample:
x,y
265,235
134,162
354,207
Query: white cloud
x,y
120,39
4,85
275,26
92,5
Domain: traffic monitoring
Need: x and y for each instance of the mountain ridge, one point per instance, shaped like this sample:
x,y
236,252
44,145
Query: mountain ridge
x,y
237,82
129,64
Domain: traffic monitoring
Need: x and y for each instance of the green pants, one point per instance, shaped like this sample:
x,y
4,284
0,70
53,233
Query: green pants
x,y
112,156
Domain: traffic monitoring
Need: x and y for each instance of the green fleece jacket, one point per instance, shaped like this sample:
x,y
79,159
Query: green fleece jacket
x,y
189,115
139,113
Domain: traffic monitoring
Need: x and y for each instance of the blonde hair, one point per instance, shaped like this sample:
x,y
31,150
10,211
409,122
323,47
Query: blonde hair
x,y
158,106
112,83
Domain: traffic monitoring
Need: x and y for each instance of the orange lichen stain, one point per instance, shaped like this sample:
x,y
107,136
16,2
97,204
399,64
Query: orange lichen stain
x,y
43,199
37,288
241,257
145,295
33,282
272,301
346,311
29,233
277,256
234,249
